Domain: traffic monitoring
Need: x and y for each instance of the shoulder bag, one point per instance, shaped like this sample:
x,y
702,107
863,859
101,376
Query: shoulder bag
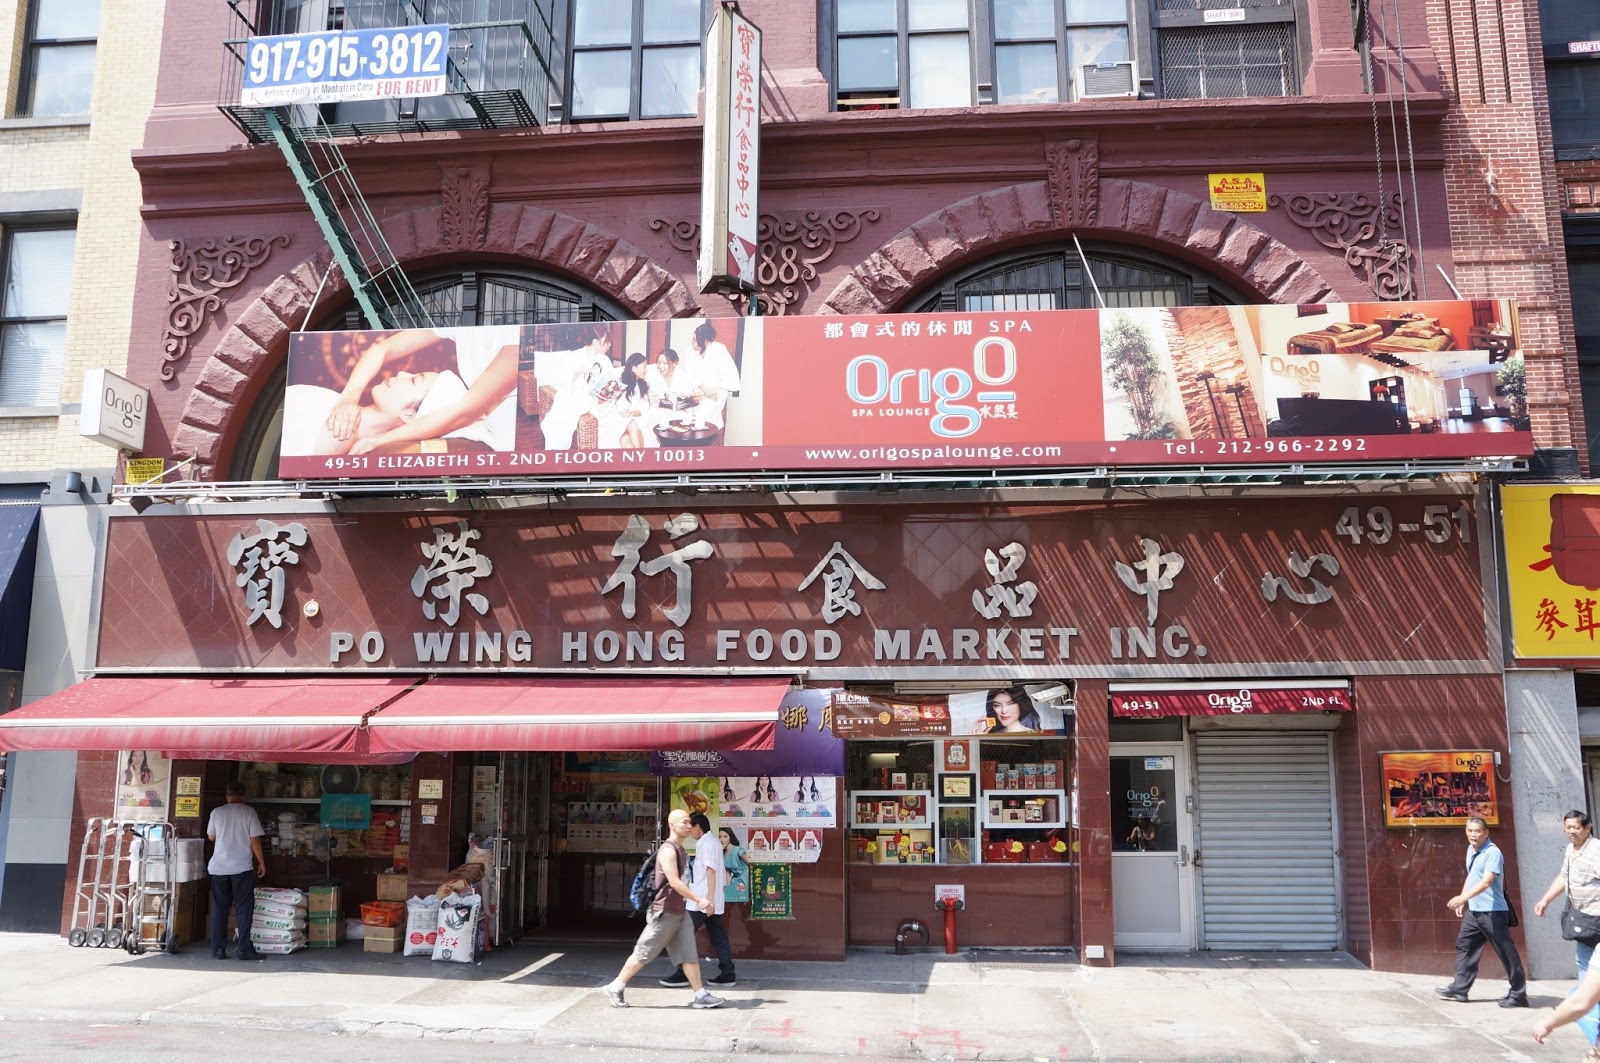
x,y
1577,924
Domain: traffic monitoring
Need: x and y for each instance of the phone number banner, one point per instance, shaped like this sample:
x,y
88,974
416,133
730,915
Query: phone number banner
x,y
345,66
1236,385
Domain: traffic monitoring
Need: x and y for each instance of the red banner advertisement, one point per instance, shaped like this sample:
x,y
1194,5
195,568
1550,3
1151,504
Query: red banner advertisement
x,y
1026,389
1227,699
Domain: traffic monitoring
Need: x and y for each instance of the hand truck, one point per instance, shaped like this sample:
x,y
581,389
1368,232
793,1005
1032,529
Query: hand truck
x,y
152,888
99,908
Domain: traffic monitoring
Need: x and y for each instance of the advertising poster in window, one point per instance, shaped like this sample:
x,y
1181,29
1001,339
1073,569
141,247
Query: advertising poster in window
x,y
771,891
144,783
1235,385
1439,788
1002,710
778,819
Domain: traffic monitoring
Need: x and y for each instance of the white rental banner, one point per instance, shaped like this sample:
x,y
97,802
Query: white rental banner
x,y
730,165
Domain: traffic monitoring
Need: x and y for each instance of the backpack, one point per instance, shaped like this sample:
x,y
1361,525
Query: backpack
x,y
642,892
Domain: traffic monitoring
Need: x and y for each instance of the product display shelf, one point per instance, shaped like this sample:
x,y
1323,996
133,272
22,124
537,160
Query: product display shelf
x,y
994,817
376,802
872,818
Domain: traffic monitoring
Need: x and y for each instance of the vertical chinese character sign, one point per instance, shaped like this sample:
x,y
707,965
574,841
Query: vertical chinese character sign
x,y
730,164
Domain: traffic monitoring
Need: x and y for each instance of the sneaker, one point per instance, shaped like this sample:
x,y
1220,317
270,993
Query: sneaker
x,y
1449,993
614,994
706,1000
726,981
677,980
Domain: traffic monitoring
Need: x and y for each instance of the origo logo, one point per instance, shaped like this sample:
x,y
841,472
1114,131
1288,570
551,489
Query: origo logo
x,y
1239,702
869,382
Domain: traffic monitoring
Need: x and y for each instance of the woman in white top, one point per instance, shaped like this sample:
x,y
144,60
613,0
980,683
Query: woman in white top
x,y
577,375
717,375
629,421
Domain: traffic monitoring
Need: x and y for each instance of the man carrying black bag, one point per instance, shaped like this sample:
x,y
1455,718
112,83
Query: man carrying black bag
x,y
1580,881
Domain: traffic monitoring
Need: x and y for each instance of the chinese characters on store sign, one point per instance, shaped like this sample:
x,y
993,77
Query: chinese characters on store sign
x,y
454,574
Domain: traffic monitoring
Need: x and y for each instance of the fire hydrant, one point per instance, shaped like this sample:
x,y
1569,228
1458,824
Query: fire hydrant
x,y
951,906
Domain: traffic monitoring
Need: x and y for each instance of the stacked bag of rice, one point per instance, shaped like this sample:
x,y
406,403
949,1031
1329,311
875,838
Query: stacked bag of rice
x,y
278,925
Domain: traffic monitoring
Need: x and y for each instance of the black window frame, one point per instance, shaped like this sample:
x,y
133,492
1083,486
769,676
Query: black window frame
x,y
636,47
1563,23
1113,266
1146,21
33,45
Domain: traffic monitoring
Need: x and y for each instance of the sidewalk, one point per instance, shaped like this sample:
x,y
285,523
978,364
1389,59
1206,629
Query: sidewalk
x,y
975,1005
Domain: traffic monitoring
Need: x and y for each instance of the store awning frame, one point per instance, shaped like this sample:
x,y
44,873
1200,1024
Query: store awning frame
x,y
292,720
1151,699
386,719
560,713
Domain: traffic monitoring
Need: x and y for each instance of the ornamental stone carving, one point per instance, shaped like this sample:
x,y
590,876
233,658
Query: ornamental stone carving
x,y
464,198
1072,173
205,270
1349,222
793,245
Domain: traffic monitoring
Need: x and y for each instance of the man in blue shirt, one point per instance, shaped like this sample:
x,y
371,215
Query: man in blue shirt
x,y
1484,915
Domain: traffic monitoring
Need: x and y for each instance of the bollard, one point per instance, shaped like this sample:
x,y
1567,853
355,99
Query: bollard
x,y
908,927
951,906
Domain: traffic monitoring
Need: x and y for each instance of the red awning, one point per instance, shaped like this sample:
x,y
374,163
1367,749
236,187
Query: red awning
x,y
1228,699
311,720
465,713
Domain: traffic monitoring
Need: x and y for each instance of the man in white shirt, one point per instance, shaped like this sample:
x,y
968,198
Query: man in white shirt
x,y
1579,879
709,879
235,863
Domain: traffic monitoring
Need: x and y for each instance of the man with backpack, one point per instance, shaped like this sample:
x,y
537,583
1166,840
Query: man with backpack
x,y
667,925
709,878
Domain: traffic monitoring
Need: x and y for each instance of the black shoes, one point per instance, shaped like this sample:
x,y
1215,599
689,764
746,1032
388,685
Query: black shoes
x,y
250,954
676,981
1513,1002
219,954
726,981
1456,995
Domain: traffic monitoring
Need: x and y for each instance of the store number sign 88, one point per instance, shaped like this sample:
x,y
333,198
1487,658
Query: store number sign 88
x,y
1375,524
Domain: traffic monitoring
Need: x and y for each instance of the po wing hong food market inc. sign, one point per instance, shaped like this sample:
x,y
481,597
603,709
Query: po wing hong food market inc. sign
x,y
1363,382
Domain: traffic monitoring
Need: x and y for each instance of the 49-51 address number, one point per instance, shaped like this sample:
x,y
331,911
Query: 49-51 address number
x,y
1375,524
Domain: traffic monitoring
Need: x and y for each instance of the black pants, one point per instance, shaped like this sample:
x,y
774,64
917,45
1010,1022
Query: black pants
x,y
1477,928
719,939
239,893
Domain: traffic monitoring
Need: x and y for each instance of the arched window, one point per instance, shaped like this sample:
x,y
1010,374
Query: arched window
x,y
1053,278
453,300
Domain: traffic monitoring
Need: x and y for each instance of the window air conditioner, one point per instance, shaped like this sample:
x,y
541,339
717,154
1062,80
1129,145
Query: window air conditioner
x,y
1098,80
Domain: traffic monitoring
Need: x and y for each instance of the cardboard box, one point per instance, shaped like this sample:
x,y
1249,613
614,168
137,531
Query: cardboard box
x,y
323,900
383,938
392,886
324,931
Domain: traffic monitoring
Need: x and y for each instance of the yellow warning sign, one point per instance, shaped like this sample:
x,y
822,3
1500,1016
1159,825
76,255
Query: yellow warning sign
x,y
144,470
1238,192
187,808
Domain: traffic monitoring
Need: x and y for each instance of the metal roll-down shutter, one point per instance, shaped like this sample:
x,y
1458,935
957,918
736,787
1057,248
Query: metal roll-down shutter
x,y
1265,832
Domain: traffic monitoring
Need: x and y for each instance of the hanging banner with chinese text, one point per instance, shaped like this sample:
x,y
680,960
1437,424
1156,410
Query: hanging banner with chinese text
x,y
1236,385
1552,536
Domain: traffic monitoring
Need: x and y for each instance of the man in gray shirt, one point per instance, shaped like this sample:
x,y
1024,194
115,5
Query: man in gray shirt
x,y
235,863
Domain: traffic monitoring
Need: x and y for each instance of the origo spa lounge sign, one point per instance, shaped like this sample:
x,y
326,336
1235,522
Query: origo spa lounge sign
x,y
1153,386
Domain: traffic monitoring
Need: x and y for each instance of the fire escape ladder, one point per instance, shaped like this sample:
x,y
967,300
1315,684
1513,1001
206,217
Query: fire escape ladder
x,y
381,288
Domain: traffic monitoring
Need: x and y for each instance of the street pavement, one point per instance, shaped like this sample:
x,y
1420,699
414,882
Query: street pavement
x,y
979,1004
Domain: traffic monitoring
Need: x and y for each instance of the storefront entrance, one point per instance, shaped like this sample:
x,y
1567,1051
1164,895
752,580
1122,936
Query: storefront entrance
x,y
1152,866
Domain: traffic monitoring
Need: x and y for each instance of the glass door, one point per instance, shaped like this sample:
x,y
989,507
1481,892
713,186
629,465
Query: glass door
x,y
1152,874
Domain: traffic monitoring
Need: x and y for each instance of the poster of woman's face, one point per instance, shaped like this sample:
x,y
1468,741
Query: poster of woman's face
x,y
143,786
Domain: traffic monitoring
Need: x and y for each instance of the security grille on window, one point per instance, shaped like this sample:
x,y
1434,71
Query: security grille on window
x,y
634,59
58,64
1054,279
35,279
1215,49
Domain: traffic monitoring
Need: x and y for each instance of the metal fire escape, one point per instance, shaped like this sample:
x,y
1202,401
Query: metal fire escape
x,y
501,80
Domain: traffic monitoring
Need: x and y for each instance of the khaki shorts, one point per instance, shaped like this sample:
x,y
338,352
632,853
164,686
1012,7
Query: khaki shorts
x,y
671,931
